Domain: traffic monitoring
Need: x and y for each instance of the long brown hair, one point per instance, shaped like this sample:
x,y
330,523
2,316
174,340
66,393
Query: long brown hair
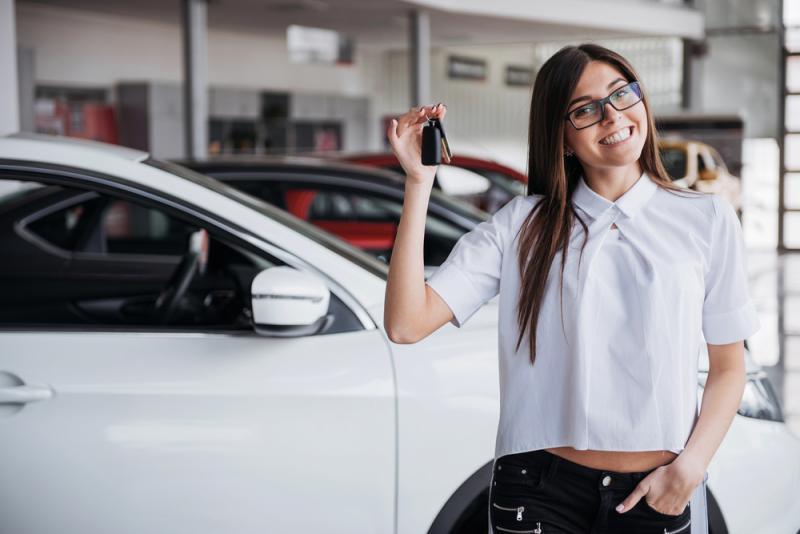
x,y
547,228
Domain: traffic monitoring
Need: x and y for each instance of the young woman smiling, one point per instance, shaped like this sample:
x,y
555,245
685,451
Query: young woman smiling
x,y
609,278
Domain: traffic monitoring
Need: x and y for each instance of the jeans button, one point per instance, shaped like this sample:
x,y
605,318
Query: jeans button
x,y
606,480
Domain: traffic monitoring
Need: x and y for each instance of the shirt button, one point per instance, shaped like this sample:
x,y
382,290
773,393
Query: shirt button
x,y
606,480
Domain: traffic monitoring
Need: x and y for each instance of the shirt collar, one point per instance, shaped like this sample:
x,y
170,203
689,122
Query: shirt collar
x,y
629,203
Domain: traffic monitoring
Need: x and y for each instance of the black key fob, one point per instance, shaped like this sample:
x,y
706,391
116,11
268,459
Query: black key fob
x,y
434,143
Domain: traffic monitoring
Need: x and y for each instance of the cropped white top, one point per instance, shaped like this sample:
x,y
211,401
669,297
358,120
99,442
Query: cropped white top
x,y
620,372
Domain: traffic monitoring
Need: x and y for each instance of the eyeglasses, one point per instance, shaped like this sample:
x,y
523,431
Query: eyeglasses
x,y
590,114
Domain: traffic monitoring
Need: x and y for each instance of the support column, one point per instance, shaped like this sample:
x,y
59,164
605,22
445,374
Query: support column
x,y
195,77
692,85
420,58
9,95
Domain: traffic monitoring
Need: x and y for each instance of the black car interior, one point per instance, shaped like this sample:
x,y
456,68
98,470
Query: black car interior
x,y
78,257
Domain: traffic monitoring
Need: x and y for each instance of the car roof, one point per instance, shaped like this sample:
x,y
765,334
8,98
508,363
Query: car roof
x,y
71,146
298,164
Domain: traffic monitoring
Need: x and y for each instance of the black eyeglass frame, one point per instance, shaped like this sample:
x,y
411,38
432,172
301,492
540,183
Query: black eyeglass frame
x,y
602,103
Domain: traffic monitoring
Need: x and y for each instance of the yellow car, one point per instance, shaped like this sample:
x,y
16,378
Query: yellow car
x,y
696,165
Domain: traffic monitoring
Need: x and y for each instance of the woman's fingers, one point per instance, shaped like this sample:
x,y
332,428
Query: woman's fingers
x,y
414,118
391,133
409,120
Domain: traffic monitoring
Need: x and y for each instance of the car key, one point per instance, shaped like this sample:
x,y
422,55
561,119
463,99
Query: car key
x,y
434,143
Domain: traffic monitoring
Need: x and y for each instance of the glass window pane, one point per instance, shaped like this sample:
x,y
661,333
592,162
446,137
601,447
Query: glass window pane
x,y
791,13
791,152
793,113
791,229
792,39
791,190
793,73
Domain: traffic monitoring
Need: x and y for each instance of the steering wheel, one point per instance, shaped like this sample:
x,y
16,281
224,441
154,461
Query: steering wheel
x,y
193,262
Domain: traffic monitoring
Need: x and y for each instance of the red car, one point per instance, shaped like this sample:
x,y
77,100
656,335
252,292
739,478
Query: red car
x,y
483,183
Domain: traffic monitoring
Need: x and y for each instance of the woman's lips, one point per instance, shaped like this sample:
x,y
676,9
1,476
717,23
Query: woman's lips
x,y
630,134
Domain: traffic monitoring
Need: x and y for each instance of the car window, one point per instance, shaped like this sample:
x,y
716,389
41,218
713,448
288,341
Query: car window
x,y
133,229
11,190
99,224
63,227
364,219
119,262
674,161
272,208
701,163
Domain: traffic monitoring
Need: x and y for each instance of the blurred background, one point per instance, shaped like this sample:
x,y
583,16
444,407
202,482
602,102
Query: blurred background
x,y
198,79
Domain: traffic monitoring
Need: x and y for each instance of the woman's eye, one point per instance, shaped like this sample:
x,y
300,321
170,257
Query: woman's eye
x,y
622,92
582,112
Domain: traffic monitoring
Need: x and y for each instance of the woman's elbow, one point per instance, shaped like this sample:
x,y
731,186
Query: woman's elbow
x,y
401,336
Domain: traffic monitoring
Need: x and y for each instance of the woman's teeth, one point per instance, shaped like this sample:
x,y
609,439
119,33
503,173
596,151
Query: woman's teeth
x,y
616,137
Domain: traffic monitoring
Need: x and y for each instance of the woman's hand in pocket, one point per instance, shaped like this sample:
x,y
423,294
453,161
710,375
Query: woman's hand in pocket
x,y
405,137
667,490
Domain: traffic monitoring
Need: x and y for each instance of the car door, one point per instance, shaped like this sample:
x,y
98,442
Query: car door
x,y
114,421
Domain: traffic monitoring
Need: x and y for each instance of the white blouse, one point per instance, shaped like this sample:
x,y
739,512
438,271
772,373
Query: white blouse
x,y
620,373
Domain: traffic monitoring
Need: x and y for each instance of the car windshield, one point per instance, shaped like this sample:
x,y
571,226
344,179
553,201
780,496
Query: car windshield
x,y
329,241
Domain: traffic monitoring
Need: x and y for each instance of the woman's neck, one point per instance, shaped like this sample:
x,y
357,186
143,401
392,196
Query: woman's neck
x,y
611,183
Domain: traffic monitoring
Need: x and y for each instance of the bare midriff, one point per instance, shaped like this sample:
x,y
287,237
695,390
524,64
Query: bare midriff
x,y
619,461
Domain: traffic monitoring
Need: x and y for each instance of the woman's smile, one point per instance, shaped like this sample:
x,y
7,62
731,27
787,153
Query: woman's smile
x,y
619,137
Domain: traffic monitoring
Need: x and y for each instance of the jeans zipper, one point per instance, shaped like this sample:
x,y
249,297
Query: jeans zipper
x,y
538,530
679,529
518,509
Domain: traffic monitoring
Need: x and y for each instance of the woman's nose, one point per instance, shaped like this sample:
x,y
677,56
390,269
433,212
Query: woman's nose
x,y
610,113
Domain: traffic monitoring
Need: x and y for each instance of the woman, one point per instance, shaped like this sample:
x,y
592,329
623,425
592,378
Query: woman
x,y
607,275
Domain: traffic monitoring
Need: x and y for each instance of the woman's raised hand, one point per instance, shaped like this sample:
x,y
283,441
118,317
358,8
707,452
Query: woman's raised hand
x,y
405,137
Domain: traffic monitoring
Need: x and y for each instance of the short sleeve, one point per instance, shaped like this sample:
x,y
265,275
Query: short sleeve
x,y
728,311
470,276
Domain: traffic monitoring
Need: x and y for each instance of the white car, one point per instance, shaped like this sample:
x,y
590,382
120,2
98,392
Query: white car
x,y
177,357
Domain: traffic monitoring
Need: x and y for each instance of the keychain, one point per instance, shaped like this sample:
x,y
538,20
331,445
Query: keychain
x,y
434,142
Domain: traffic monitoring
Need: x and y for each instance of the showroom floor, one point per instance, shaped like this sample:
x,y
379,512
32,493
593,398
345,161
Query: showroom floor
x,y
775,287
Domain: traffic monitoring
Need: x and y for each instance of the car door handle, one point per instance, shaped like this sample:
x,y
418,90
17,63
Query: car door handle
x,y
25,394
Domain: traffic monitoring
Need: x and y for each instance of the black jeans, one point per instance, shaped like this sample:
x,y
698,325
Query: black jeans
x,y
538,492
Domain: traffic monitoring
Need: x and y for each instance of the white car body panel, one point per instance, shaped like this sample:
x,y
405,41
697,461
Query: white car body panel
x,y
755,477
206,433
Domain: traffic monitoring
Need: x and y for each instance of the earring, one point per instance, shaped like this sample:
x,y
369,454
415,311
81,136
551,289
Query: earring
x,y
567,152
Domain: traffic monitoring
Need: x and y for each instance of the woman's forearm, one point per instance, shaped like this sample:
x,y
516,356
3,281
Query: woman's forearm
x,y
721,399
405,287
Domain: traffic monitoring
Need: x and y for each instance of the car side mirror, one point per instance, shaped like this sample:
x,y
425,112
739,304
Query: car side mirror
x,y
289,303
707,174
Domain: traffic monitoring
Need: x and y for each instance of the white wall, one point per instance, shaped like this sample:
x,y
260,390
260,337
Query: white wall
x,y
484,118
490,118
9,99
89,49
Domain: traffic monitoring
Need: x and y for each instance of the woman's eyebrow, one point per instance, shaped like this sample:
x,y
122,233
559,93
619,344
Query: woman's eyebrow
x,y
586,97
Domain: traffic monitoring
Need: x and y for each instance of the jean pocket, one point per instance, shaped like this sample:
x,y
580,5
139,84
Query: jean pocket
x,y
653,511
517,478
673,523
